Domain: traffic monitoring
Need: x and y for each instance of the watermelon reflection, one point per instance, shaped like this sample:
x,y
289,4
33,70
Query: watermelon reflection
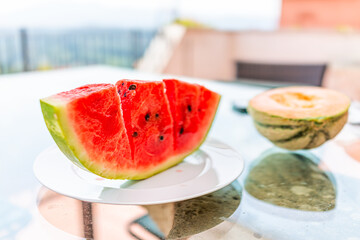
x,y
67,218
187,218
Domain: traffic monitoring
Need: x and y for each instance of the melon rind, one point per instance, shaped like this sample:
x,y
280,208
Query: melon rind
x,y
295,134
55,119
51,114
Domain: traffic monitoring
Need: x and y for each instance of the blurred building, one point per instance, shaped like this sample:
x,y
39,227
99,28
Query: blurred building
x,y
320,14
317,43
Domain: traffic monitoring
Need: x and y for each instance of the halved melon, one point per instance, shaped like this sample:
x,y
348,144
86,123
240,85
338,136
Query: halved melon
x,y
299,117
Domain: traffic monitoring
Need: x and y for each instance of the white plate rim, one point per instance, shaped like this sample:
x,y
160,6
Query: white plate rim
x,y
210,147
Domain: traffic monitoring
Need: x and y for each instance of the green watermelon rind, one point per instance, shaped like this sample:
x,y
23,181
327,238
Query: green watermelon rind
x,y
50,114
72,150
57,128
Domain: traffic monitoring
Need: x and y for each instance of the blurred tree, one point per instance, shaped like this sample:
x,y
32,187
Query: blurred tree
x,y
189,23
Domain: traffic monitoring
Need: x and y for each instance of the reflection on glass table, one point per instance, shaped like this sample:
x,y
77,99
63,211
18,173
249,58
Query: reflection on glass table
x,y
291,180
67,218
302,195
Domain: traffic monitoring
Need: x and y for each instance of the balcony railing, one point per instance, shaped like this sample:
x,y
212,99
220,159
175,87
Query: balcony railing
x,y
31,50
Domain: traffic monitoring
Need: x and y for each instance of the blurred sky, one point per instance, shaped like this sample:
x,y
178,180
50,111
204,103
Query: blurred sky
x,y
224,14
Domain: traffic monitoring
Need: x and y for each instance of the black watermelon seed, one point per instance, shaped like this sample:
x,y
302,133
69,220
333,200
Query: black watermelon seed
x,y
122,84
135,134
119,91
161,138
132,87
156,115
124,94
147,117
189,108
181,130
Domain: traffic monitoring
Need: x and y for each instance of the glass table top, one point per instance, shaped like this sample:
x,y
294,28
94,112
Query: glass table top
x,y
280,194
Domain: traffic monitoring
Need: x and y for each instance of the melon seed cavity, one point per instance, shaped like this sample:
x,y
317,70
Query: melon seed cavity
x,y
295,99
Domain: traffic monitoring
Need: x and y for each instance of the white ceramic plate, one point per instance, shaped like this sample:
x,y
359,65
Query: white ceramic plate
x,y
212,167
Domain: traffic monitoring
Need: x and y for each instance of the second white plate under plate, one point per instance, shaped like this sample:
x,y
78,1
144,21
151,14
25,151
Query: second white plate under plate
x,y
212,167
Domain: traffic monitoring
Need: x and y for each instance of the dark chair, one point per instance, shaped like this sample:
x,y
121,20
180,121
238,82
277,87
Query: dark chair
x,y
306,74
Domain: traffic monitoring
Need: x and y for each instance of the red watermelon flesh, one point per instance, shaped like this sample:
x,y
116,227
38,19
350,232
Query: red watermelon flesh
x,y
208,105
148,121
193,109
87,125
99,125
184,100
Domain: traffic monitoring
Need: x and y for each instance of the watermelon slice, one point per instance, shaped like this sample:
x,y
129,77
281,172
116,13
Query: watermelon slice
x,y
87,125
148,121
132,130
193,109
